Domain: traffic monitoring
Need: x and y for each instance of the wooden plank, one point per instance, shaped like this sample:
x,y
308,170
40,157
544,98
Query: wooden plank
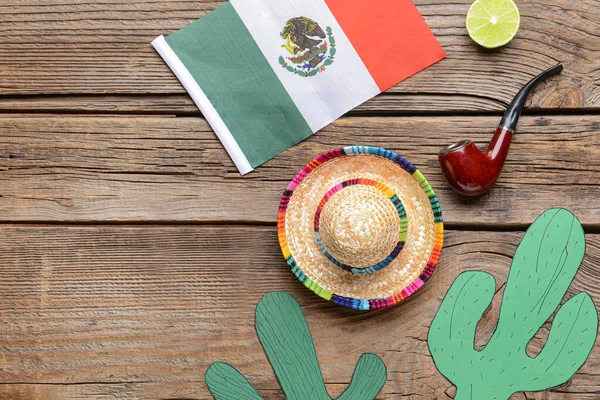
x,y
142,312
173,169
182,104
75,47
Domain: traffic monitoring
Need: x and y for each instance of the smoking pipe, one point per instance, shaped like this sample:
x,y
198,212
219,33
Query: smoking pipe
x,y
471,172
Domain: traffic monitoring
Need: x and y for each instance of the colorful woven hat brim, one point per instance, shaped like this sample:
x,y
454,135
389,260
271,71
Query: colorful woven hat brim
x,y
363,304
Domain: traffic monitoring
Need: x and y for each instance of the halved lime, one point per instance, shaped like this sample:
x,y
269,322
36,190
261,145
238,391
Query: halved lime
x,y
493,23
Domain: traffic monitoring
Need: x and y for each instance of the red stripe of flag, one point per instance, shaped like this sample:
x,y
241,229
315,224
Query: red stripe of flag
x,y
391,37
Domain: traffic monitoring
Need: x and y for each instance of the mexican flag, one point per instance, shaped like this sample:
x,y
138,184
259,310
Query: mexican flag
x,y
267,74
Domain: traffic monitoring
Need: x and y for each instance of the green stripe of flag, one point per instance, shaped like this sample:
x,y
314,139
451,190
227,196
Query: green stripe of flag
x,y
228,65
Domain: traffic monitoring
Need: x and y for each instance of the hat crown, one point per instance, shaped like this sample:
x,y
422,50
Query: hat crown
x,y
359,226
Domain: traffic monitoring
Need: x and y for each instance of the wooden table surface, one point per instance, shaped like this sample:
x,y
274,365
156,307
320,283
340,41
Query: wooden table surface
x,y
132,254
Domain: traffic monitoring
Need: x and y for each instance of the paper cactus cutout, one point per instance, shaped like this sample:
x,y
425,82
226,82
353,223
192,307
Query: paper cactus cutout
x,y
287,341
543,268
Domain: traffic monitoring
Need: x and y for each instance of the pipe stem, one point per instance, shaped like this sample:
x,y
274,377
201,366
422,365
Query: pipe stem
x,y
513,112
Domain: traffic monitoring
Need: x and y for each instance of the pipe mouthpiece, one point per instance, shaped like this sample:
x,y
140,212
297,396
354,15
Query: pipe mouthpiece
x,y
513,112
557,69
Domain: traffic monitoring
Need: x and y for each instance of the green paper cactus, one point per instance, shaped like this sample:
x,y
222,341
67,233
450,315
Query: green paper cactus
x,y
287,341
543,268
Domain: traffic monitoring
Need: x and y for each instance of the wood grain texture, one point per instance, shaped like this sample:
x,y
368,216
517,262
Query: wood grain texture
x,y
161,169
88,135
78,47
140,312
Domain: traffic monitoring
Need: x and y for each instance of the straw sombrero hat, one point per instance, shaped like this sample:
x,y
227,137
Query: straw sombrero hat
x,y
360,226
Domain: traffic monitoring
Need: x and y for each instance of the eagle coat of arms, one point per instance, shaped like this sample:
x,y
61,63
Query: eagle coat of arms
x,y
309,49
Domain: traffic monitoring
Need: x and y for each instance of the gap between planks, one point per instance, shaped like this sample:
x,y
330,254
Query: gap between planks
x,y
177,105
589,229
